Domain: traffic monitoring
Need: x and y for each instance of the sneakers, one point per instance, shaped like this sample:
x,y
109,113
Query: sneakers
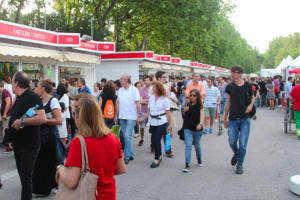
x,y
200,162
8,150
254,117
131,158
234,160
187,168
239,169
141,142
126,161
211,131
205,131
136,135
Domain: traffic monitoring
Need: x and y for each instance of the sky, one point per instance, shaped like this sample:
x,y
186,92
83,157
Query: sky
x,y
260,21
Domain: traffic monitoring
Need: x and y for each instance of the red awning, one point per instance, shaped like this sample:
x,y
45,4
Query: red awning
x,y
295,71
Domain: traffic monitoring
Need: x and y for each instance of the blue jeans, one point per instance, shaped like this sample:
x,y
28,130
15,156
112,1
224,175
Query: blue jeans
x,y
263,99
127,126
239,129
192,137
256,102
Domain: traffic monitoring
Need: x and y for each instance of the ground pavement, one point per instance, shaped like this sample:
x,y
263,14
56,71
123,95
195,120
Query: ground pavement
x,y
272,157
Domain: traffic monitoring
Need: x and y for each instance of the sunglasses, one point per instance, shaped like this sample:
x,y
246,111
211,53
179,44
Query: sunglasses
x,y
192,95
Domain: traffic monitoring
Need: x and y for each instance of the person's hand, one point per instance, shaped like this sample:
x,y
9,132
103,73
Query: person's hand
x,y
186,109
199,127
17,124
138,121
4,116
169,129
225,123
249,109
57,172
116,120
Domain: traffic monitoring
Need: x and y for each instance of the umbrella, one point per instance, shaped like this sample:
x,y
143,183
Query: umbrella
x,y
295,71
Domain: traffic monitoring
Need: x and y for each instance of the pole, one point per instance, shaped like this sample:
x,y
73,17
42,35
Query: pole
x,y
45,16
92,28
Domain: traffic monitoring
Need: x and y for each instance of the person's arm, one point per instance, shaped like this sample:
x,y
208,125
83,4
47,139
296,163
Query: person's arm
x,y
121,167
227,108
117,111
169,117
138,109
202,92
38,119
68,175
199,126
146,116
291,100
56,120
143,101
250,106
7,106
100,102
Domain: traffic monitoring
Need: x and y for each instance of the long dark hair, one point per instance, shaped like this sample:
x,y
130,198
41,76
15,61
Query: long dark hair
x,y
109,90
198,97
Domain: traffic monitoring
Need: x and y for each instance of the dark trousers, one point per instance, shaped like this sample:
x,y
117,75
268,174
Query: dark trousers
x,y
156,133
25,160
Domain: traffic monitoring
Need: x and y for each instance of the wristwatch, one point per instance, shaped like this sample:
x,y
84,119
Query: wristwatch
x,y
22,123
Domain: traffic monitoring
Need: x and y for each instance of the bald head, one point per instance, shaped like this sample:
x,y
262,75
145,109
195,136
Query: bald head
x,y
125,80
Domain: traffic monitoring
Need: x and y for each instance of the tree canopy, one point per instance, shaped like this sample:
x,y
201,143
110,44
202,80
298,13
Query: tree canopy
x,y
197,30
280,48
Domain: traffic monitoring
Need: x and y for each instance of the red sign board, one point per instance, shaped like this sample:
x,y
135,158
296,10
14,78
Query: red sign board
x,y
193,64
175,60
127,55
69,39
200,65
26,33
88,46
157,57
150,54
106,46
166,58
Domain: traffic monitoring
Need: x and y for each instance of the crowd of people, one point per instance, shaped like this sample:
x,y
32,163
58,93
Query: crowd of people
x,y
41,121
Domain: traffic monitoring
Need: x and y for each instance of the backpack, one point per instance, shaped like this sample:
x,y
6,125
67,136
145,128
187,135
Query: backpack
x,y
276,89
109,110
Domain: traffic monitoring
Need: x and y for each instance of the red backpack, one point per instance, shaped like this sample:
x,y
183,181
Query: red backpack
x,y
276,89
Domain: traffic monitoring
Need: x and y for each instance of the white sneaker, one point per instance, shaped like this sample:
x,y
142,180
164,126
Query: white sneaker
x,y
54,191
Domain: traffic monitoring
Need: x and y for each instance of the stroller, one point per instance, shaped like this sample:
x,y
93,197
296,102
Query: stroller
x,y
220,123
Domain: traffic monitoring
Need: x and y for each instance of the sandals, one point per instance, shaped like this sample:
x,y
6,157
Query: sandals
x,y
154,165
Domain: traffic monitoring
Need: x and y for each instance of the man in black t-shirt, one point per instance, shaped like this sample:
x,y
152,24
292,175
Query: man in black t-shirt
x,y
263,92
25,132
240,100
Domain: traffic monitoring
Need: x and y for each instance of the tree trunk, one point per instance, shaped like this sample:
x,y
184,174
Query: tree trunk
x,y
19,9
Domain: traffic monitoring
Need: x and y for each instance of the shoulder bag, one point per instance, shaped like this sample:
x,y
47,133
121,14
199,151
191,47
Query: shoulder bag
x,y
87,186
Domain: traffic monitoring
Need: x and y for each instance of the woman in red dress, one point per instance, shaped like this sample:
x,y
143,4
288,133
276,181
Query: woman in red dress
x,y
104,150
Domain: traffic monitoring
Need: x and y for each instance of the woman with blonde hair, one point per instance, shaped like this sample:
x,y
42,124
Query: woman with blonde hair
x,y
160,118
104,150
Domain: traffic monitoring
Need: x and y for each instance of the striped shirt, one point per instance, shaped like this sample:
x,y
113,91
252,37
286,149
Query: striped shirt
x,y
211,98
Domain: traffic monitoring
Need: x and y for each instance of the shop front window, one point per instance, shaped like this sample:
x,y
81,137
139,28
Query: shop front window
x,y
70,72
7,69
34,71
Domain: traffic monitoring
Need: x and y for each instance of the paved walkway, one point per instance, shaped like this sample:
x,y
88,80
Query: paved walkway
x,y
272,157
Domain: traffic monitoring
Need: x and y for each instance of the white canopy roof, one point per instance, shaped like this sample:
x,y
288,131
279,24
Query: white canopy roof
x,y
284,63
296,62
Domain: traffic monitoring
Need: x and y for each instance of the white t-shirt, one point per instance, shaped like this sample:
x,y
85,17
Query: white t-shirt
x,y
157,108
66,101
54,104
127,102
9,88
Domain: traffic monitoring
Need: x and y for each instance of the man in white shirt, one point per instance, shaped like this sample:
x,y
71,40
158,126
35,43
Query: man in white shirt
x,y
128,110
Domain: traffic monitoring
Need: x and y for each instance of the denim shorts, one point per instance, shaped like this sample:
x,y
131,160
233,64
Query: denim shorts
x,y
210,112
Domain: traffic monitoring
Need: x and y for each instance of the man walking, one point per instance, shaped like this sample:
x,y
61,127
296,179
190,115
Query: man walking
x,y
295,99
211,101
145,94
240,100
287,90
128,109
195,84
82,87
25,132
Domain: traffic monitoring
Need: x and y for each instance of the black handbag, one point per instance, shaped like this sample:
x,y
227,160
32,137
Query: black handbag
x,y
181,134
